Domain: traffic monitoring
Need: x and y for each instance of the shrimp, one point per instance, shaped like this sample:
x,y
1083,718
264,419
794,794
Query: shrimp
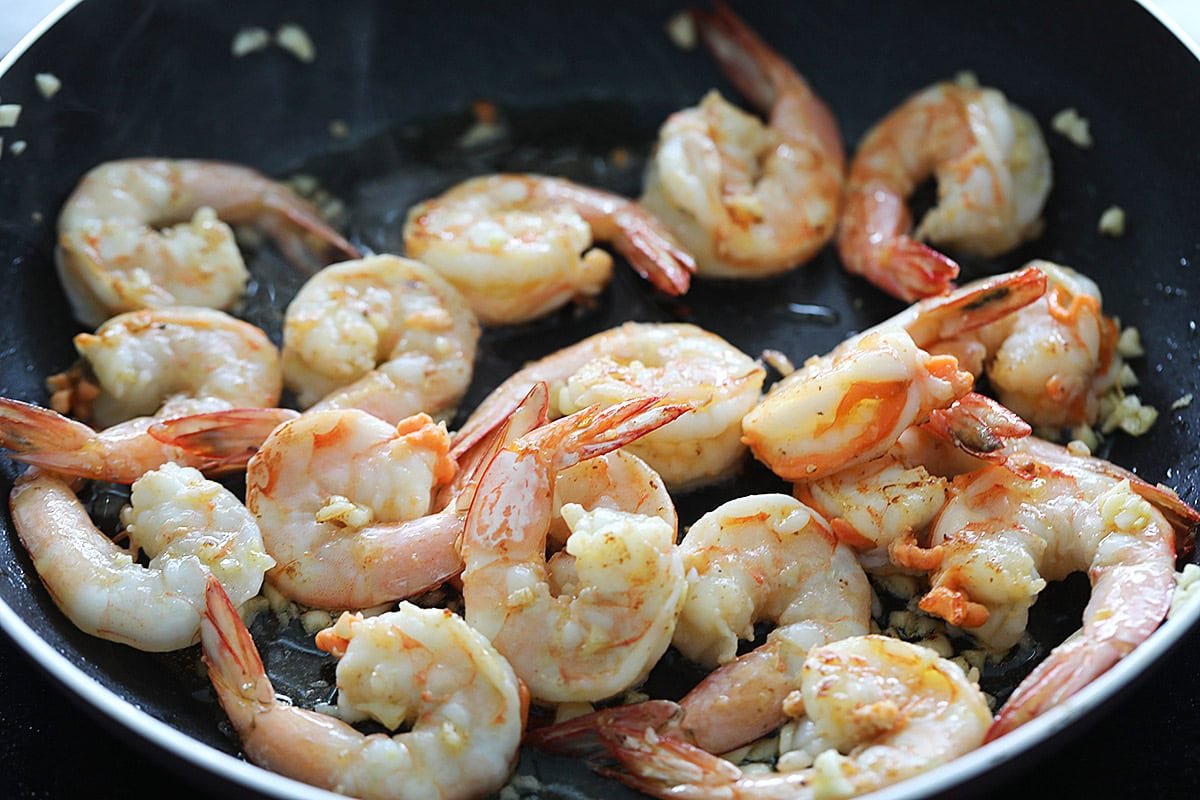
x,y
619,481
520,246
126,451
993,173
345,503
747,199
1053,361
850,406
682,362
603,630
1008,528
190,527
384,334
110,257
753,559
423,666
168,362
871,711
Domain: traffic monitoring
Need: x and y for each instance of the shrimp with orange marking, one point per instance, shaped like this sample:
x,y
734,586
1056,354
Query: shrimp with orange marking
x,y
850,406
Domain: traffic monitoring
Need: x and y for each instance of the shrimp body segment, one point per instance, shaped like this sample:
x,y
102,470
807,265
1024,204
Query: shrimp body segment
x,y
591,627
993,173
112,256
421,666
681,362
172,362
748,199
384,334
191,528
520,246
344,501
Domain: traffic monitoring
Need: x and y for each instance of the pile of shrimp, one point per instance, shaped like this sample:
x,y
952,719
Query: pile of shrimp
x,y
514,580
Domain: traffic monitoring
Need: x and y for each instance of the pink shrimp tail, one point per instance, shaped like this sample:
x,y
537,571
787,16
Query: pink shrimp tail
x,y
581,737
654,254
666,767
912,270
978,425
39,436
227,439
233,662
597,429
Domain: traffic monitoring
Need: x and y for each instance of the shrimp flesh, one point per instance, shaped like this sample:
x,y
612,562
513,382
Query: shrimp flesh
x,y
190,527
602,630
169,362
619,481
851,405
681,362
871,711
520,246
112,256
384,334
748,199
416,665
345,503
993,173
1044,513
127,450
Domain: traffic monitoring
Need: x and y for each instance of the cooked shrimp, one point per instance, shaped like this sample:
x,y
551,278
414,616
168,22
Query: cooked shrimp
x,y
345,504
754,559
384,334
748,199
1052,361
619,481
993,173
872,711
851,405
111,257
1044,514
681,362
423,666
169,362
126,451
601,631
190,527
520,246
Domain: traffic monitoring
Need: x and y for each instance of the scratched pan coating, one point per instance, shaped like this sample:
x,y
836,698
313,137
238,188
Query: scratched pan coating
x,y
577,82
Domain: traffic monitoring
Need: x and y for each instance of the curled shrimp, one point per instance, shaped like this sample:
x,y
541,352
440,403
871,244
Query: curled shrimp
x,y
190,527
748,199
871,711
345,502
112,257
1044,513
851,405
754,559
384,334
1053,361
602,630
124,452
520,246
993,173
681,362
423,666
169,362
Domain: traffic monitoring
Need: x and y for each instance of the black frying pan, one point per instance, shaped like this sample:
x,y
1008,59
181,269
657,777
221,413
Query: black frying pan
x,y
158,79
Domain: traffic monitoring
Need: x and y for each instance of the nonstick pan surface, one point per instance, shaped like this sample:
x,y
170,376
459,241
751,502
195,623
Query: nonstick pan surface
x,y
576,82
